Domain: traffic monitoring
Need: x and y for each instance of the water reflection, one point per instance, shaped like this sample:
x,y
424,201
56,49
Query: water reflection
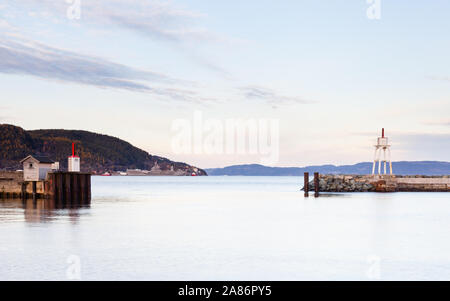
x,y
41,210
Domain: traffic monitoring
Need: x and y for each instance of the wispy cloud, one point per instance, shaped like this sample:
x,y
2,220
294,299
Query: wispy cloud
x,y
19,56
154,18
33,58
369,134
4,24
438,123
424,144
270,96
439,78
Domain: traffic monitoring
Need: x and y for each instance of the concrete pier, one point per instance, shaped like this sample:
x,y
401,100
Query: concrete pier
x,y
59,186
12,185
381,183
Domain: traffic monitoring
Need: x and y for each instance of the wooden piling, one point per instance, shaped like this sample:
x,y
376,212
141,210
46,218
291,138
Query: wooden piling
x,y
316,184
59,186
53,190
75,188
82,179
67,188
88,188
24,190
34,189
306,184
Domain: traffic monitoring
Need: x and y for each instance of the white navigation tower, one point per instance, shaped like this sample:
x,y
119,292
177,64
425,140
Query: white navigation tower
x,y
73,162
382,146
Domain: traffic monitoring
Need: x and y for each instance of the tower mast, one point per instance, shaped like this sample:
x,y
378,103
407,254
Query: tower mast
x,y
382,146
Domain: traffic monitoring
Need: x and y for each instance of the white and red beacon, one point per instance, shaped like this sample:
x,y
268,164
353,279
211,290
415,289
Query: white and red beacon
x,y
382,146
73,161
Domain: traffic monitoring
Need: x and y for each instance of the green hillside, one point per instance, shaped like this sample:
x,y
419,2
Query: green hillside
x,y
99,153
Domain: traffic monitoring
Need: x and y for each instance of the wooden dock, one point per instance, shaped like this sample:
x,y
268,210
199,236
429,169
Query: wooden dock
x,y
68,186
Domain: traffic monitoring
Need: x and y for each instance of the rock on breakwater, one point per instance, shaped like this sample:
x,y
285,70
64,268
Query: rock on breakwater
x,y
381,183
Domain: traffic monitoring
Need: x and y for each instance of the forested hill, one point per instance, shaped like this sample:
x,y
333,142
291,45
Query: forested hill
x,y
99,153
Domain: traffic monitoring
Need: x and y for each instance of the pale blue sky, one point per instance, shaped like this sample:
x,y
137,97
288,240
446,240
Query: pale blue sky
x,y
330,75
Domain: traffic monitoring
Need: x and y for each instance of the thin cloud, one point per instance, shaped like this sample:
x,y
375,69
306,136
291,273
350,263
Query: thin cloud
x,y
439,78
154,18
370,134
424,144
438,123
270,96
4,24
18,56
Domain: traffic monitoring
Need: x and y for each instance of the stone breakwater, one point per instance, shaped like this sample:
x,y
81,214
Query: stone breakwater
x,y
381,183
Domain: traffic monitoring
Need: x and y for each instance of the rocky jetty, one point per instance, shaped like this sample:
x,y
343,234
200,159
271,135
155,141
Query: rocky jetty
x,y
343,183
381,183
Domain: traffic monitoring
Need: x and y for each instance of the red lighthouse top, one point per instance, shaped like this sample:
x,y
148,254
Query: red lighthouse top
x,y
73,151
382,133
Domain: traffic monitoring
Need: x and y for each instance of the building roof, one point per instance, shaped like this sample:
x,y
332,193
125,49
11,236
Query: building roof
x,y
40,159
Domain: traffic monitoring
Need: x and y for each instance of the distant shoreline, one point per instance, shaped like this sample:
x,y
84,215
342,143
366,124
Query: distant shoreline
x,y
426,168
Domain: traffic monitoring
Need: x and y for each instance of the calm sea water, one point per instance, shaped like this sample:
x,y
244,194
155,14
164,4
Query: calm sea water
x,y
226,228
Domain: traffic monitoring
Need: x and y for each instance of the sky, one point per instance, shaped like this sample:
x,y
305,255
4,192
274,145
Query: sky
x,y
323,76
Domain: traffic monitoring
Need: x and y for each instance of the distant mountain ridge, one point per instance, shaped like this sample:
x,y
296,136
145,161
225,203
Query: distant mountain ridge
x,y
400,168
99,153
